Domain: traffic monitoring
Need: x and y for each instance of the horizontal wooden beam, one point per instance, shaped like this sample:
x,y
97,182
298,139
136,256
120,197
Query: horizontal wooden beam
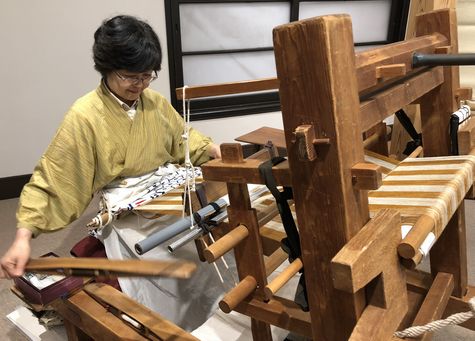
x,y
377,107
278,312
367,65
244,172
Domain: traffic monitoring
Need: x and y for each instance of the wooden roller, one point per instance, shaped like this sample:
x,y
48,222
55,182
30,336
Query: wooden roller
x,y
94,267
238,294
409,246
278,282
226,243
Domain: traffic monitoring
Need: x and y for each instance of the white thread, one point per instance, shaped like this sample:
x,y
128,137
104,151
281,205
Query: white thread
x,y
189,184
438,324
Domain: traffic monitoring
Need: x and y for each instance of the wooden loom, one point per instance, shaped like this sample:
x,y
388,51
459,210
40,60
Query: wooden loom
x,y
358,288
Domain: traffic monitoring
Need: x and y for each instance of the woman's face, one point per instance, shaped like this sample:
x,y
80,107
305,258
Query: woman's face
x,y
129,85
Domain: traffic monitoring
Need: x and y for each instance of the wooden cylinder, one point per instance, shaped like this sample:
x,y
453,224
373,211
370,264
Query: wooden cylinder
x,y
226,243
238,294
411,263
410,245
275,260
278,282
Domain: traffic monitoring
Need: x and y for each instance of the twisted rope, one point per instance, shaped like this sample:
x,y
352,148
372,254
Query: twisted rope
x,y
439,324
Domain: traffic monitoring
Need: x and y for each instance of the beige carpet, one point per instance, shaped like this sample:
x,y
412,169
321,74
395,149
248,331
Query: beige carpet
x,y
62,241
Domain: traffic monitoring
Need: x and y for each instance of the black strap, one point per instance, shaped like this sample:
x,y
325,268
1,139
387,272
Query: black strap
x,y
281,198
409,127
453,130
290,244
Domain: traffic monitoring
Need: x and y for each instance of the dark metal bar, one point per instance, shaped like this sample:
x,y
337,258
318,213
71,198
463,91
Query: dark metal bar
x,y
420,59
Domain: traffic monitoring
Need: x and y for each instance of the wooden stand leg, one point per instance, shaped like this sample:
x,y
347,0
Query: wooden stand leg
x,y
449,254
74,333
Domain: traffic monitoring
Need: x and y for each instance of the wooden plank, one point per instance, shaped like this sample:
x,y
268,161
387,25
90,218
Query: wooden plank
x,y
227,88
111,267
263,135
153,325
248,253
279,312
420,282
92,318
436,108
315,65
466,136
434,303
244,172
383,104
369,260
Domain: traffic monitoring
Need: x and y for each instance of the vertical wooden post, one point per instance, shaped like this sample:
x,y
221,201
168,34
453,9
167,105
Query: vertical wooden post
x,y
315,61
248,253
449,253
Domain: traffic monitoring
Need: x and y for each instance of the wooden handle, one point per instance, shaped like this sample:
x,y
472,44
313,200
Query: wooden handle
x,y
238,294
107,267
410,245
226,243
282,278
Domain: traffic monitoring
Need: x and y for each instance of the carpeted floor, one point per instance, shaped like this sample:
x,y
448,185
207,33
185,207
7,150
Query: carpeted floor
x,y
62,241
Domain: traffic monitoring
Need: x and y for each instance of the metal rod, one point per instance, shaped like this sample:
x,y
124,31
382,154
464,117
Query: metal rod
x,y
419,59
176,228
197,232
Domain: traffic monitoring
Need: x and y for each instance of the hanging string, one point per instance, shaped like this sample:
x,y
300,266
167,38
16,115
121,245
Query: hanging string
x,y
190,184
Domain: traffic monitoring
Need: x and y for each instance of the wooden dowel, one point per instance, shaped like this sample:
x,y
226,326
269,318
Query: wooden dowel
x,y
416,152
413,262
410,245
238,294
228,88
282,278
226,243
275,260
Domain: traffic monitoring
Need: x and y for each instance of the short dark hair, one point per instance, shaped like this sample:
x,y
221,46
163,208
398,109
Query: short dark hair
x,y
125,42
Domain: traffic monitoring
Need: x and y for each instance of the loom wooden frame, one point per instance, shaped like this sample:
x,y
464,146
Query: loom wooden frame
x,y
323,83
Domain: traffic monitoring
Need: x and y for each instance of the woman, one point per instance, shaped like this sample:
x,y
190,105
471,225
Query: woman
x,y
121,129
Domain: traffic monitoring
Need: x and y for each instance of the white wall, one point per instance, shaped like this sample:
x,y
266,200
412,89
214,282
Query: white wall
x,y
46,63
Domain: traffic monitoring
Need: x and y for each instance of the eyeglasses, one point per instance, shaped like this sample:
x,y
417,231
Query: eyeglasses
x,y
134,80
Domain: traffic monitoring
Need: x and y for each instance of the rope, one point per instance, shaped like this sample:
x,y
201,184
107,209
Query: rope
x,y
439,324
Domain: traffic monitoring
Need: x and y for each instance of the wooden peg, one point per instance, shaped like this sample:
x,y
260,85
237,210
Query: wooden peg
x,y
304,137
278,282
226,243
238,294
391,71
443,49
366,176
462,94
231,153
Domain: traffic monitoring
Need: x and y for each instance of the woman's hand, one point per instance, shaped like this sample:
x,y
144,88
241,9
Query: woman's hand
x,y
214,151
13,262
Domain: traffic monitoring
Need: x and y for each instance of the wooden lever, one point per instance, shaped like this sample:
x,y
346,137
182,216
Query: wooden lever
x,y
94,267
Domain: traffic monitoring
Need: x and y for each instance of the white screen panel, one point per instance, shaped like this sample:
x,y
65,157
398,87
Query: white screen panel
x,y
370,18
230,26
222,68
